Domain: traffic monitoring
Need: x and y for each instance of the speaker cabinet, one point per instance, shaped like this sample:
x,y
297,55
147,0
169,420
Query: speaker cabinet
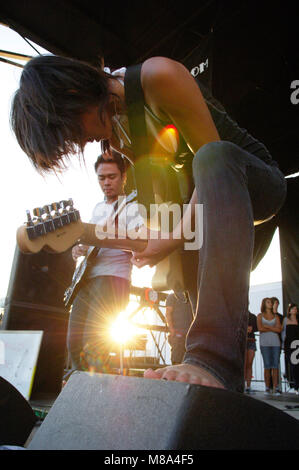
x,y
106,412
16,416
35,302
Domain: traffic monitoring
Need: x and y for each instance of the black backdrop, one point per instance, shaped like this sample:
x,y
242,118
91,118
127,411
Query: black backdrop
x,y
253,57
287,221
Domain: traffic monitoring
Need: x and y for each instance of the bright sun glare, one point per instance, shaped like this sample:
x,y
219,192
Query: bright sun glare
x,y
122,330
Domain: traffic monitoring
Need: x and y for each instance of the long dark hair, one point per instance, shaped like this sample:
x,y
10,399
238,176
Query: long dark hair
x,y
290,306
263,304
45,111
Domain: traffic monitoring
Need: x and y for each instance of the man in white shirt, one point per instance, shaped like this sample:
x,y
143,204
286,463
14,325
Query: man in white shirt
x,y
105,292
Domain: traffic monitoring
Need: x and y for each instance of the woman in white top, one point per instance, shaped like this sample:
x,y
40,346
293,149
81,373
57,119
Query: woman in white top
x,y
269,327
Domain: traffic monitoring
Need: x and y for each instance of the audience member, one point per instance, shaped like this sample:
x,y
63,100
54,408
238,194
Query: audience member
x,y
269,327
250,350
290,336
275,301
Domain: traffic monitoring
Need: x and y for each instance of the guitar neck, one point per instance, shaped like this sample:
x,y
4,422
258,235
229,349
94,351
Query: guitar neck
x,y
93,235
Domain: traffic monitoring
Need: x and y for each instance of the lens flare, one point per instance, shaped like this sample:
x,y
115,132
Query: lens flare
x,y
169,138
122,331
166,143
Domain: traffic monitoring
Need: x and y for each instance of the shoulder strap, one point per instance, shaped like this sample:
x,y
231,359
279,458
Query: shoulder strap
x,y
137,125
168,272
135,109
95,250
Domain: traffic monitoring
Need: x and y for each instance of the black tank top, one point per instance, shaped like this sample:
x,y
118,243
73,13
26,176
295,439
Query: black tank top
x,y
229,130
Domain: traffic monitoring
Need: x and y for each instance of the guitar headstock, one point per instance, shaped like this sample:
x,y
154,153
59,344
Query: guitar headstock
x,y
55,226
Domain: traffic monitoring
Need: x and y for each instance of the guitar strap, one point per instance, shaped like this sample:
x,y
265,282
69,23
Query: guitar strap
x,y
135,109
95,251
168,273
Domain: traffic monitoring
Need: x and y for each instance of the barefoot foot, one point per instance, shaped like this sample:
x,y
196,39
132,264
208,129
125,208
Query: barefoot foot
x,y
188,373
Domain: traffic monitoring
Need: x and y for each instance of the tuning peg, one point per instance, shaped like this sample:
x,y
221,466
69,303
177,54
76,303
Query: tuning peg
x,y
30,226
63,204
65,220
38,212
74,214
56,217
39,227
47,210
29,218
55,207
48,220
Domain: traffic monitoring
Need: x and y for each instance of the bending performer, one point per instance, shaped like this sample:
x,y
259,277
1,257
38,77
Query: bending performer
x,y
62,104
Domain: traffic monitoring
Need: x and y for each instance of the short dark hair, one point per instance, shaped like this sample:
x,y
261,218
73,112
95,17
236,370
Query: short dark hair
x,y
54,91
274,299
113,157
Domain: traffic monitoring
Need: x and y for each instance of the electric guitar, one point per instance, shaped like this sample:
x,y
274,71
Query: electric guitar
x,y
81,269
57,227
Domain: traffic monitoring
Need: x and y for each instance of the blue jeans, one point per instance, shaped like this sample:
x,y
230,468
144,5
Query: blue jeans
x,y
236,189
271,355
97,304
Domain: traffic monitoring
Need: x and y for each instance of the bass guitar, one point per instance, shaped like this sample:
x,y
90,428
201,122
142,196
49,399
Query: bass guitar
x,y
81,270
57,227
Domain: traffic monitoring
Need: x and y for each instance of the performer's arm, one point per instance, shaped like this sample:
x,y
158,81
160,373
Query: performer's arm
x,y
171,92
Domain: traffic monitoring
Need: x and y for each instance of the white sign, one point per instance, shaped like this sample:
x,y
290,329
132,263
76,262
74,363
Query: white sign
x,y
18,358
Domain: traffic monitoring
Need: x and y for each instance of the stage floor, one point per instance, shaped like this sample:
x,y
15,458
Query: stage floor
x,y
287,402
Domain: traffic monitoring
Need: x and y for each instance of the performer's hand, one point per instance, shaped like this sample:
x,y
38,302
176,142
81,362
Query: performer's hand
x,y
79,250
155,252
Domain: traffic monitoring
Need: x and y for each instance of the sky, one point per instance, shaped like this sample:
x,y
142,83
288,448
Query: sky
x,y
23,188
